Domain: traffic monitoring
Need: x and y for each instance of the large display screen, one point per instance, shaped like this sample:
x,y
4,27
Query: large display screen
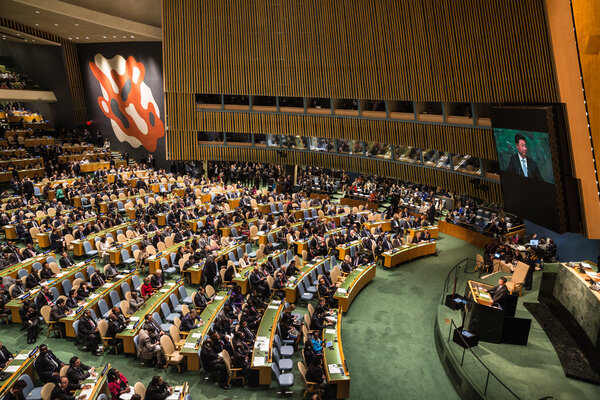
x,y
524,153
525,158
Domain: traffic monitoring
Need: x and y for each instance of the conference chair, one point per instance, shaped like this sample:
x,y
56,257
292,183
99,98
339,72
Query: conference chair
x,y
185,298
47,391
31,392
173,356
106,341
309,387
515,282
232,373
284,364
167,314
45,311
284,381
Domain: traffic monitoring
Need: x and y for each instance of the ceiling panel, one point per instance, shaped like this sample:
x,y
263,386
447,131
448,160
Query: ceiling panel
x,y
82,25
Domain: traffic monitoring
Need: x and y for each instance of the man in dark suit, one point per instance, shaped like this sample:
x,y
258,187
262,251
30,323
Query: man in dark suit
x,y
62,390
211,270
66,261
5,355
520,164
48,366
499,293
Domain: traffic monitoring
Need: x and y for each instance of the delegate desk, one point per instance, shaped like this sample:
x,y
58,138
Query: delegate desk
x,y
95,166
291,288
344,248
433,231
195,338
97,385
151,305
335,366
263,236
261,354
43,238
20,365
385,225
13,270
471,236
78,243
353,284
408,252
242,277
154,260
6,176
195,271
91,302
66,274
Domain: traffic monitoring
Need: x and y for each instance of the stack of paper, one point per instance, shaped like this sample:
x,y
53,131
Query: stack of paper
x,y
259,361
218,297
334,369
330,331
21,357
11,368
341,290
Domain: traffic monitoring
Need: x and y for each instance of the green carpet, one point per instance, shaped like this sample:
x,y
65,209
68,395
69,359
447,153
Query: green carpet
x,y
387,338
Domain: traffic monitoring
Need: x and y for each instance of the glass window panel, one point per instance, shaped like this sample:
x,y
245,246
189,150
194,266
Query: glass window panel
x,y
321,144
466,164
379,150
444,161
430,158
273,140
260,140
407,154
210,137
234,137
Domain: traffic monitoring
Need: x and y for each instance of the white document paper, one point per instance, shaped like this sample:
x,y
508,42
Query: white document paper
x,y
133,318
196,335
130,326
342,291
330,331
259,361
334,369
21,357
273,307
218,297
163,290
11,368
189,345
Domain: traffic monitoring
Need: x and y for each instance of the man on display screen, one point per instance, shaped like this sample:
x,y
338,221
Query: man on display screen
x,y
520,164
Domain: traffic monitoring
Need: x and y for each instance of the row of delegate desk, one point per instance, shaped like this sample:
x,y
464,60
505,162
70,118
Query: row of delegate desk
x,y
91,387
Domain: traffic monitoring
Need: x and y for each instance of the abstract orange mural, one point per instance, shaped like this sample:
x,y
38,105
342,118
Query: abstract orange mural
x,y
127,101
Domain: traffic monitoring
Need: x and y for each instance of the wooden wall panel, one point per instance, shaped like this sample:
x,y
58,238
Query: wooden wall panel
x,y
418,50
439,50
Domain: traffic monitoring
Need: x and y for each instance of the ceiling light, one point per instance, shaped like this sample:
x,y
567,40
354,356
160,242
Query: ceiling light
x,y
37,12
37,24
132,36
33,40
104,37
124,37
70,39
87,37
18,34
77,37
55,24
114,37
76,24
